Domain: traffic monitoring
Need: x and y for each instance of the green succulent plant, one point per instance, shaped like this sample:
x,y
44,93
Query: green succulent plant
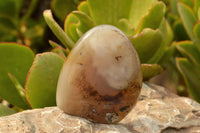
x,y
29,80
183,15
150,34
145,26
189,66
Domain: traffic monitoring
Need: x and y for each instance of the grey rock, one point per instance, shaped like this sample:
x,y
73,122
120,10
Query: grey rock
x,y
161,111
157,110
52,120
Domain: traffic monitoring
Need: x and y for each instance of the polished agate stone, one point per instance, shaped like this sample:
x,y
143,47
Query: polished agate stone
x,y
101,77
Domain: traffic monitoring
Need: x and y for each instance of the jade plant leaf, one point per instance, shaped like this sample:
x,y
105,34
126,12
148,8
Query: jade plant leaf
x,y
130,17
198,13
150,70
70,26
196,6
190,3
191,76
85,22
189,50
188,18
77,23
167,36
173,6
42,80
147,43
15,60
83,7
104,12
4,110
127,15
108,11
151,20
74,32
18,87
196,30
126,27
139,8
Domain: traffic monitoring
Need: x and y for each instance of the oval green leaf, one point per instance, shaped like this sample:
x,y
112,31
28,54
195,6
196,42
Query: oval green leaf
x,y
150,70
15,60
188,18
83,7
70,26
191,76
85,22
147,43
196,6
190,51
138,9
42,80
109,11
151,20
198,13
167,36
196,30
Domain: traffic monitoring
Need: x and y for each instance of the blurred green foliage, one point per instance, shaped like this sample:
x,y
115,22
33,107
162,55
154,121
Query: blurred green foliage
x,y
21,21
184,16
18,25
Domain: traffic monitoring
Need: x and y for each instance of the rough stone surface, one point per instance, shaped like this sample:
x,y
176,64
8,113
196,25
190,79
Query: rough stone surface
x,y
156,111
161,111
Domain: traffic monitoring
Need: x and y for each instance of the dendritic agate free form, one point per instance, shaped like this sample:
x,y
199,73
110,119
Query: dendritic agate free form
x,y
101,78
